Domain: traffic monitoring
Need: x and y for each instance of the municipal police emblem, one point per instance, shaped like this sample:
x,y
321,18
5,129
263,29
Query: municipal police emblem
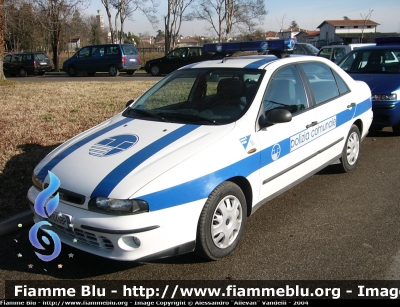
x,y
113,145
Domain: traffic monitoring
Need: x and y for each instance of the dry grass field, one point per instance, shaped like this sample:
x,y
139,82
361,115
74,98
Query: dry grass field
x,y
38,116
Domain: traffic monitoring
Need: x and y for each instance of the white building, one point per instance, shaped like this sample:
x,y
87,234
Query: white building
x,y
347,31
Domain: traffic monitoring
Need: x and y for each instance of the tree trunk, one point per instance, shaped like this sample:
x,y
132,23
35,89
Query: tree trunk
x,y
2,77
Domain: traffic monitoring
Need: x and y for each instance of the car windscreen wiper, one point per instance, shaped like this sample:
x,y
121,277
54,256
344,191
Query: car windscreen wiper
x,y
190,116
148,114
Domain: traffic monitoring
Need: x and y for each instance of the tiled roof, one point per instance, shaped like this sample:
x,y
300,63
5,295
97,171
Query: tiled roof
x,y
343,22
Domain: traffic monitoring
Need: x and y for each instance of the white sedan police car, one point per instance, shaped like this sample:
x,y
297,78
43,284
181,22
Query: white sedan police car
x,y
183,166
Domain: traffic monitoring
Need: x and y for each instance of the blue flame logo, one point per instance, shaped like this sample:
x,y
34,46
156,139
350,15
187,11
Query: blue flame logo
x,y
45,209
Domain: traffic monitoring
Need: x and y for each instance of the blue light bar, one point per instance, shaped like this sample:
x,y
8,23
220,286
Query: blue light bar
x,y
260,46
392,40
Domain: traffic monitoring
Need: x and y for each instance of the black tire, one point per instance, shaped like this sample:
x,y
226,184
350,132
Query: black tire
x,y
396,129
155,70
130,72
41,73
113,71
22,72
222,222
91,73
351,150
72,71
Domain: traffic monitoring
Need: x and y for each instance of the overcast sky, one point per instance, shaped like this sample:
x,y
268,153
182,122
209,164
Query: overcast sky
x,y
308,14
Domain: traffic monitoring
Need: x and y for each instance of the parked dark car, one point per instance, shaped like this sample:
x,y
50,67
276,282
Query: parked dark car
x,y
379,66
177,58
28,63
111,58
304,48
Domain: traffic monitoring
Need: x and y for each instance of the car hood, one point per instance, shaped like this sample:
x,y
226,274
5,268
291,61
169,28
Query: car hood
x,y
379,83
104,159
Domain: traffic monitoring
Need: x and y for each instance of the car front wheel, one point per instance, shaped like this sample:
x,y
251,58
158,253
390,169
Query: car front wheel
x,y
155,70
222,222
22,72
72,72
351,150
113,71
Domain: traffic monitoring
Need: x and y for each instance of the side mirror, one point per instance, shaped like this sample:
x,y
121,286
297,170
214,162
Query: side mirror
x,y
129,103
275,116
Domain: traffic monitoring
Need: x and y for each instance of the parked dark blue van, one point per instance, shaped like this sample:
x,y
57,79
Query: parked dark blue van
x,y
111,58
379,67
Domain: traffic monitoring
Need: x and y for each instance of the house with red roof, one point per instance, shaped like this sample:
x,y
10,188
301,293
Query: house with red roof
x,y
350,31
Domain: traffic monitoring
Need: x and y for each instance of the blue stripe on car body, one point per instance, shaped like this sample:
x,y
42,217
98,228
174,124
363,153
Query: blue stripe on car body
x,y
196,189
259,63
104,188
57,159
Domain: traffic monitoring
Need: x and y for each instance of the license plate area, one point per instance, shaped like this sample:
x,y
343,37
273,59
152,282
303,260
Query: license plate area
x,y
61,219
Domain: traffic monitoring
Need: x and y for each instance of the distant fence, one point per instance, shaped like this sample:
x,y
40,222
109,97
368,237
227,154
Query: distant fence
x,y
150,49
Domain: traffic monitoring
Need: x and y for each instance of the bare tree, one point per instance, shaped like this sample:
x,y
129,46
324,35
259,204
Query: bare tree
x,y
107,4
56,13
365,18
173,21
205,10
126,8
243,15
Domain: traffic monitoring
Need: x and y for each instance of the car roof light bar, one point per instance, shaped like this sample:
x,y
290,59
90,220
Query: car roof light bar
x,y
260,46
391,40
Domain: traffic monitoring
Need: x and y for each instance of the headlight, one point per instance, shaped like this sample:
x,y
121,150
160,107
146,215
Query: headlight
x,y
118,206
37,182
384,97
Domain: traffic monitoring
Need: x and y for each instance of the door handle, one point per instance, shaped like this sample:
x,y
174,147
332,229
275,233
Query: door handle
x,y
351,105
312,124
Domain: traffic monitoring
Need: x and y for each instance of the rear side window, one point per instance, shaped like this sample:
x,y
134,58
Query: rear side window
x,y
112,50
7,58
27,57
129,50
98,51
41,56
322,81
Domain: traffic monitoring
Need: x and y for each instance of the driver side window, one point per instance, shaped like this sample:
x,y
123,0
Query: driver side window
x,y
285,91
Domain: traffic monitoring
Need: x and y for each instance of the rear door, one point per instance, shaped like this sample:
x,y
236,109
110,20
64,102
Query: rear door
x,y
333,106
113,56
99,61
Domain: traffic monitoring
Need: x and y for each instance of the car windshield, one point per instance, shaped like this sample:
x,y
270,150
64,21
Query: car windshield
x,y
382,61
199,96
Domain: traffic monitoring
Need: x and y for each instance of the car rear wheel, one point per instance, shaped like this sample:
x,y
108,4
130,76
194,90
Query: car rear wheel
x,y
72,72
113,71
396,129
222,222
351,150
22,72
155,70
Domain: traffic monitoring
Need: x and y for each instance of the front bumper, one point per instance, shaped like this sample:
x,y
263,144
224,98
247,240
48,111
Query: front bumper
x,y
386,114
161,233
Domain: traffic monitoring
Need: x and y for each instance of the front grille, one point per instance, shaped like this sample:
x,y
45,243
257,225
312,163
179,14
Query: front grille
x,y
85,237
